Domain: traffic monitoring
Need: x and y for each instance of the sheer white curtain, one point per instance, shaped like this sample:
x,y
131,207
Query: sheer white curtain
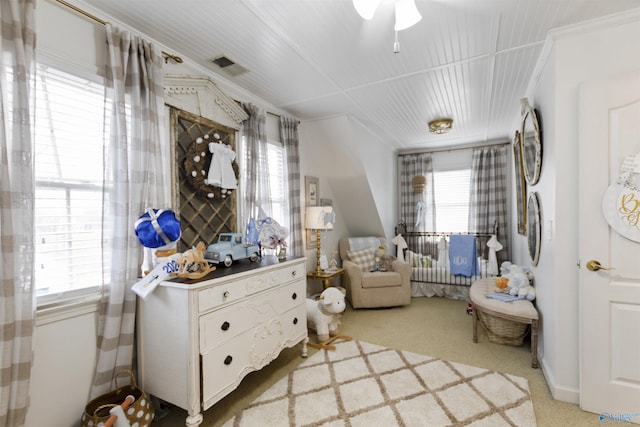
x,y
17,191
134,179
290,139
255,181
488,195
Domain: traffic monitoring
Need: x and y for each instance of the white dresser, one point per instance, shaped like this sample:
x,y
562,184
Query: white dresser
x,y
198,339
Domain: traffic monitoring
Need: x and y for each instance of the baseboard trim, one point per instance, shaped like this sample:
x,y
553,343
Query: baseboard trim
x,y
561,393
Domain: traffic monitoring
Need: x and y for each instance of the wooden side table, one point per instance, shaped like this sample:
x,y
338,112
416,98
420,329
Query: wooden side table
x,y
326,276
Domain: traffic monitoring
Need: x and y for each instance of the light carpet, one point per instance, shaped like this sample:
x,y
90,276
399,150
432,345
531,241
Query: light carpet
x,y
364,385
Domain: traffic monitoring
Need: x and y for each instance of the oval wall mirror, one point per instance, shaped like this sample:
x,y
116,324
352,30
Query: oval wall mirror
x,y
533,227
521,186
531,143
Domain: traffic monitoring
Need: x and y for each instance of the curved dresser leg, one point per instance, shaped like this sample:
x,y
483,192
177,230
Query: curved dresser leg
x,y
194,420
304,346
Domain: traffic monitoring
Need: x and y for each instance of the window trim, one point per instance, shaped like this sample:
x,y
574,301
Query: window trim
x,y
76,303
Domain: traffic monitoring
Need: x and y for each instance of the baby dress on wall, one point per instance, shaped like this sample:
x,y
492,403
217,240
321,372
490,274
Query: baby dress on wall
x,y
221,172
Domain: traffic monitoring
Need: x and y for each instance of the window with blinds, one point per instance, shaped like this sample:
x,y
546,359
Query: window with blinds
x,y
451,194
69,124
278,183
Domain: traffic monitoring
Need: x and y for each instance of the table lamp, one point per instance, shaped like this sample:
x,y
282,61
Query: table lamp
x,y
319,218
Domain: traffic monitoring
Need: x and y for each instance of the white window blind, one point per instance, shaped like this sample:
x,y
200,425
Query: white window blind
x,y
68,170
278,183
451,194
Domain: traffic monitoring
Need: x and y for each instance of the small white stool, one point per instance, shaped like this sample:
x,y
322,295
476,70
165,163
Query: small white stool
x,y
519,311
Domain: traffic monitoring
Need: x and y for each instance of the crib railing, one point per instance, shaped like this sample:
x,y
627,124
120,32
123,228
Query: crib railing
x,y
429,246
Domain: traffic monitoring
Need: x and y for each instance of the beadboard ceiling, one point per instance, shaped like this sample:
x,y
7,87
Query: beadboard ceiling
x,y
471,60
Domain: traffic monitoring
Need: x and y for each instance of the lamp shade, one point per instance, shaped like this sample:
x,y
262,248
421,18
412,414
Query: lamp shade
x,y
406,14
319,218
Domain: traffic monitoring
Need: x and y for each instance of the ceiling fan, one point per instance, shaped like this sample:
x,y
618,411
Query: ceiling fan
x,y
406,11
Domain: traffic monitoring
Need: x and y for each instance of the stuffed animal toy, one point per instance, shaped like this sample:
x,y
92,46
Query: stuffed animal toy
x,y
504,268
379,254
323,315
519,282
502,283
382,261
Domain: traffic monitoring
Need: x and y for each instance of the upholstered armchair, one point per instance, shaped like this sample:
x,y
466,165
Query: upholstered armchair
x,y
367,288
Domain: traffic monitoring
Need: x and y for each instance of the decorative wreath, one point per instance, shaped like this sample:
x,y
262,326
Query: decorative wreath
x,y
196,165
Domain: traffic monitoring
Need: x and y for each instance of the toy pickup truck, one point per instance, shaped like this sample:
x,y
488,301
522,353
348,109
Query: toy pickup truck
x,y
231,247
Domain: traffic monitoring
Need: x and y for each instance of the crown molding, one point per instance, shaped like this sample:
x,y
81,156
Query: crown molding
x,y
177,86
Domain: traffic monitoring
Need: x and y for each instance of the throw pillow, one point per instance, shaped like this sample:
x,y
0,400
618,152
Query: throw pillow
x,y
426,262
364,258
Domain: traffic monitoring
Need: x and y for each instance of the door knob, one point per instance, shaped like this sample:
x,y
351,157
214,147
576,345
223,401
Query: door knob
x,y
594,265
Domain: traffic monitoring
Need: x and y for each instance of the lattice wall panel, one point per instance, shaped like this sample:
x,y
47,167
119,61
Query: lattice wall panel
x,y
201,218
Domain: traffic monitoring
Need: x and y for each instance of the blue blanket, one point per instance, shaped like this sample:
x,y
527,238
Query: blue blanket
x,y
463,255
503,297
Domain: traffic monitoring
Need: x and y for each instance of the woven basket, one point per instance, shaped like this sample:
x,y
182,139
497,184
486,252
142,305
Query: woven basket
x,y
140,413
503,331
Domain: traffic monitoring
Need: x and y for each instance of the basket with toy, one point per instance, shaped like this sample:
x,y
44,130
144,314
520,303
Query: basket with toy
x,y
514,286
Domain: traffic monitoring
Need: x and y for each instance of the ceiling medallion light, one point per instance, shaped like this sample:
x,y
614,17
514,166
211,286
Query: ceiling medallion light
x,y
440,126
407,15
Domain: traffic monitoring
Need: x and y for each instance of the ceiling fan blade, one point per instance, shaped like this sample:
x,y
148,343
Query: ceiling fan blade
x,y
366,8
406,14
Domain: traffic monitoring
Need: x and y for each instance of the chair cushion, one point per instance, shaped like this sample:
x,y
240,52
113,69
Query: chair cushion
x,y
521,308
381,279
364,258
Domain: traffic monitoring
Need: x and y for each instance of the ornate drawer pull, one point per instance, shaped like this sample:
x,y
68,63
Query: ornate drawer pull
x,y
294,296
293,273
225,295
225,326
228,360
295,320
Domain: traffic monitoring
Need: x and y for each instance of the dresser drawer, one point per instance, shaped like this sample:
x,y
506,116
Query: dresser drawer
x,y
294,324
222,294
291,296
225,366
236,289
275,277
221,325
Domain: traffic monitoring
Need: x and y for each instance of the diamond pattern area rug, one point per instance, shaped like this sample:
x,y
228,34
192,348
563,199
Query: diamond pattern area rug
x,y
364,385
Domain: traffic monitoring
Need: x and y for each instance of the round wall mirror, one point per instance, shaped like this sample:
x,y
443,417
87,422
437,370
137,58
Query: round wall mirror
x,y
533,227
531,143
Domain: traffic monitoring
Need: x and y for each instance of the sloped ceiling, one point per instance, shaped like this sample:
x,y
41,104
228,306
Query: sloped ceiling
x,y
470,60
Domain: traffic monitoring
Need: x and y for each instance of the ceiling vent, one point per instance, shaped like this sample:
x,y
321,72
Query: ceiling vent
x,y
229,66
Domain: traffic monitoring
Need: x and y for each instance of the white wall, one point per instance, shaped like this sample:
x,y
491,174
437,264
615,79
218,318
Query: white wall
x,y
579,54
64,363
357,171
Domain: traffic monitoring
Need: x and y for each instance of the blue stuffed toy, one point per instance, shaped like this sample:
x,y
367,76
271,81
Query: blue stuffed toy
x,y
157,227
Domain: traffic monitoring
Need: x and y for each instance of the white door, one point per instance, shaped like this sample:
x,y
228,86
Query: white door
x,y
609,130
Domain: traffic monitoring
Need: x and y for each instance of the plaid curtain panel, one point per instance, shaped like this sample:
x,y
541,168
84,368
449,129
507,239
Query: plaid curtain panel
x,y
423,218
17,193
488,199
134,179
289,136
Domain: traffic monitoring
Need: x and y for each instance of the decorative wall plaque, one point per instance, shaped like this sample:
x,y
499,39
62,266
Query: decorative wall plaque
x,y
621,201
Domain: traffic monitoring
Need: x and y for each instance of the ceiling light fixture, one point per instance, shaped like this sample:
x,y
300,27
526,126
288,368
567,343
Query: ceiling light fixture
x,y
440,126
407,15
